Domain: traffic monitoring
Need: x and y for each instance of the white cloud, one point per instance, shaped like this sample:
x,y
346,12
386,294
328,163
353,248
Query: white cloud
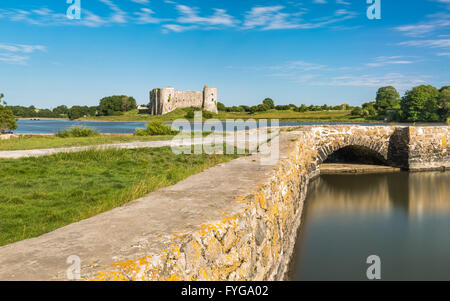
x,y
190,15
368,80
14,53
274,17
437,21
177,28
13,58
141,1
145,16
118,16
389,60
437,43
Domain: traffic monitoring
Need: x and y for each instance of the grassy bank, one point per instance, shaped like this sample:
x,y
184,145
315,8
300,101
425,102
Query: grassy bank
x,y
271,114
25,142
38,195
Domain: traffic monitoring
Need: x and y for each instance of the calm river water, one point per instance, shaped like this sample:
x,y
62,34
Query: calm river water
x,y
404,218
53,126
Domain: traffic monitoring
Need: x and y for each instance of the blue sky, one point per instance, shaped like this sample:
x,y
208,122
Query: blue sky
x,y
310,51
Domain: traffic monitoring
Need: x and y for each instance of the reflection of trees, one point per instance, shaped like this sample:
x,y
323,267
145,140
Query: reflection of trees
x,y
413,193
429,193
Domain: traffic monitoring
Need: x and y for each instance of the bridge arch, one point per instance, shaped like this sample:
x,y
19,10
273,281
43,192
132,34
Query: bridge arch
x,y
375,150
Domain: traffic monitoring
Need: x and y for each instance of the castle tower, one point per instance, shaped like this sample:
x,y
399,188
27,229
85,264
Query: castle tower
x,y
210,99
167,100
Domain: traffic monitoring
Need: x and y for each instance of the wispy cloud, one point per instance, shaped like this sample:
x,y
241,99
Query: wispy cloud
x,y
389,60
437,43
439,21
18,53
276,17
146,16
368,80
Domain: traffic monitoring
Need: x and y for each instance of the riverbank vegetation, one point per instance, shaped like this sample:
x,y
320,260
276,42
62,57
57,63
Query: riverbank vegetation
x,y
77,131
156,128
39,195
7,120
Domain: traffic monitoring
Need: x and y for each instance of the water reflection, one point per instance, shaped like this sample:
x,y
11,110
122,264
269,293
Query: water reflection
x,y
402,217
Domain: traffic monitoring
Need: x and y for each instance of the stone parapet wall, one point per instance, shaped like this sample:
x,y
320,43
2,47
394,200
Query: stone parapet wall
x,y
429,148
256,241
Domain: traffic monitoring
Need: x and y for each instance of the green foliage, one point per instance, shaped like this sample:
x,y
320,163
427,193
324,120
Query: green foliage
x,y
269,103
283,107
77,112
444,103
7,120
61,110
259,108
356,111
420,104
116,105
387,99
221,107
191,113
156,128
77,131
302,108
369,109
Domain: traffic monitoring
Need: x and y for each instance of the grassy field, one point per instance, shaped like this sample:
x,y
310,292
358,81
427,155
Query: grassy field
x,y
39,142
38,195
272,114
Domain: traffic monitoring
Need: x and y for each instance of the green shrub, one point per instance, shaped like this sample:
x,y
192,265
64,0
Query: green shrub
x,y
191,114
77,131
156,128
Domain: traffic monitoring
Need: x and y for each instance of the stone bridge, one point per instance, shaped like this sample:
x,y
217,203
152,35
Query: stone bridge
x,y
235,221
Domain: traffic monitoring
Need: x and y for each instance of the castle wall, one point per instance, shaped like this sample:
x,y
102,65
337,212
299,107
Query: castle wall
x,y
166,100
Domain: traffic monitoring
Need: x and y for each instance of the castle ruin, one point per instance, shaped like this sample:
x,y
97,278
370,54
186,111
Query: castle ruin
x,y
165,100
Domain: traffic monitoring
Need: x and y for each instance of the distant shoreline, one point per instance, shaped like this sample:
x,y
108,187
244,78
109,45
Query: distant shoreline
x,y
41,118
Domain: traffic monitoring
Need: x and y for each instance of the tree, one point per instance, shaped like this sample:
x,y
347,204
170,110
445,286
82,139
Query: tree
x,y
77,112
420,104
7,120
269,103
369,109
387,99
221,107
356,111
302,108
444,103
116,104
61,110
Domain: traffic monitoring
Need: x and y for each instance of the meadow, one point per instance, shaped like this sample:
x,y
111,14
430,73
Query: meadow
x,y
287,115
39,195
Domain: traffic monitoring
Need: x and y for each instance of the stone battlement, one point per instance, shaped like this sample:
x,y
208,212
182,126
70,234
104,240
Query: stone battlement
x,y
166,100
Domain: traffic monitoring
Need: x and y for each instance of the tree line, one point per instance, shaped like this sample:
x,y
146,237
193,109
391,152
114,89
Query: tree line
x,y
269,104
421,103
108,106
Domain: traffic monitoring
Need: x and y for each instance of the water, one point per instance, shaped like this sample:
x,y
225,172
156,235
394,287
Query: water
x,y
404,218
53,126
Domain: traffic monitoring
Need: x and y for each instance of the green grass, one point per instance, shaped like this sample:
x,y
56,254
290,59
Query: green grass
x,y
25,142
38,195
272,114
